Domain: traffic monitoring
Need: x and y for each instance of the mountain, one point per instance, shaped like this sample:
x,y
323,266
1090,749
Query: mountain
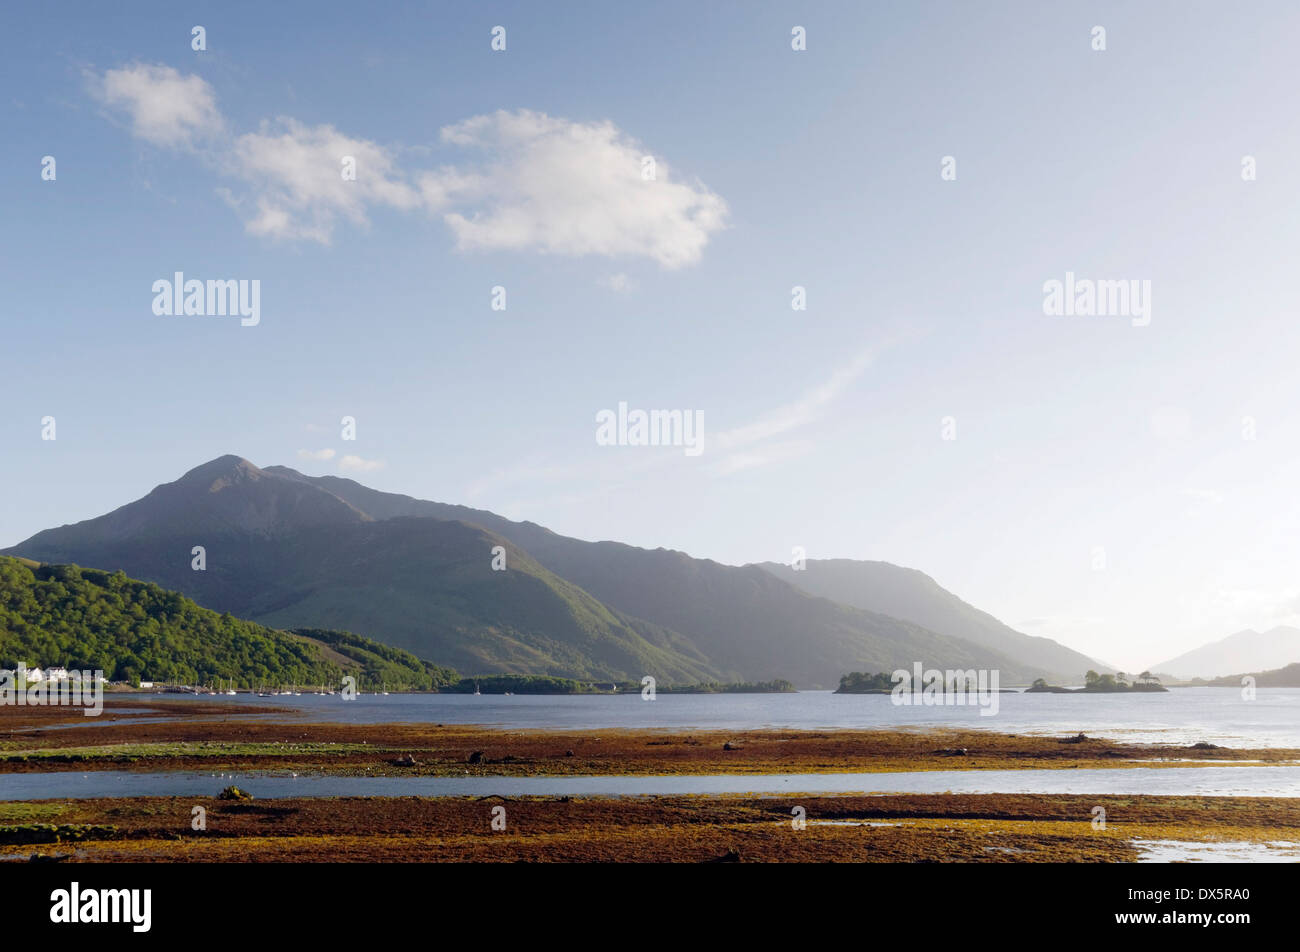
x,y
287,549
1247,650
85,619
742,618
913,595
286,553
1288,677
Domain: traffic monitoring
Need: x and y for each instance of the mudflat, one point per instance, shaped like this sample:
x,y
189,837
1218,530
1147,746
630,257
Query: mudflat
x,y
910,828
937,827
212,736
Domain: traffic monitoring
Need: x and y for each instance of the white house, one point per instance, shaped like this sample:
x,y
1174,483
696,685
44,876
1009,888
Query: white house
x,y
56,674
34,675
146,685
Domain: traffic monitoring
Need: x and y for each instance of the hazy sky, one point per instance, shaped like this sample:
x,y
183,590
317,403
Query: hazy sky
x,y
1100,488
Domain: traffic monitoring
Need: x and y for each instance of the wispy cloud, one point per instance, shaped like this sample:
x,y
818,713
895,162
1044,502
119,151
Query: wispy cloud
x,y
533,182
746,446
325,454
804,410
750,445
355,464
760,456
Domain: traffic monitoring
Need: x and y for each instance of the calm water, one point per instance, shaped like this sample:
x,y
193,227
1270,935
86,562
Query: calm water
x,y
1182,851
1183,716
1276,781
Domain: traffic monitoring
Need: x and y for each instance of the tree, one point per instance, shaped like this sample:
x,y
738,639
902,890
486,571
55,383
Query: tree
x,y
1091,678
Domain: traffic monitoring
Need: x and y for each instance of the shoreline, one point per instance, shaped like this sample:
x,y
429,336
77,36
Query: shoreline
x,y
213,737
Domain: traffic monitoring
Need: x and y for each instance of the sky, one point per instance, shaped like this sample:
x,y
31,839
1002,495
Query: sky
x,y
1123,482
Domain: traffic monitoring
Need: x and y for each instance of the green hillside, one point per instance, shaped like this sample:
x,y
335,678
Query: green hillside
x,y
87,619
428,586
747,622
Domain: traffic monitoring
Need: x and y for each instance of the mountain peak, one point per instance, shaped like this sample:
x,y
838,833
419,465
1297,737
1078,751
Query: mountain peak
x,y
222,472
1242,651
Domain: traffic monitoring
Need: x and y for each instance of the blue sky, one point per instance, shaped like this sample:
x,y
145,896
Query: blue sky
x,y
777,168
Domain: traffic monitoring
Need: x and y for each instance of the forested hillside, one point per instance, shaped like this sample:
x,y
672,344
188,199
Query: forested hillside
x,y
87,619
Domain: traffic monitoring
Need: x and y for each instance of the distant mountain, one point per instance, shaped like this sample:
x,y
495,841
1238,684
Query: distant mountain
x,y
742,618
1247,650
1288,677
90,620
914,596
288,549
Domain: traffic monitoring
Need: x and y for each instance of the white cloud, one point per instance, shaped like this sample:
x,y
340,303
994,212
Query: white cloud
x,y
355,464
531,182
165,108
296,172
316,454
573,188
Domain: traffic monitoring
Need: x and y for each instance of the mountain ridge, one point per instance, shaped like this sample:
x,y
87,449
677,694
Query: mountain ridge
x,y
910,593
283,547
1246,650
614,572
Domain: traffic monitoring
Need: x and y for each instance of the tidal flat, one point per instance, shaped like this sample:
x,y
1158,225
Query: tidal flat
x,y
928,828
156,736
169,736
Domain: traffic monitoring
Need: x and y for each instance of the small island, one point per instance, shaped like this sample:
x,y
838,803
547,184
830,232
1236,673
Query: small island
x,y
1094,683
860,682
542,684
